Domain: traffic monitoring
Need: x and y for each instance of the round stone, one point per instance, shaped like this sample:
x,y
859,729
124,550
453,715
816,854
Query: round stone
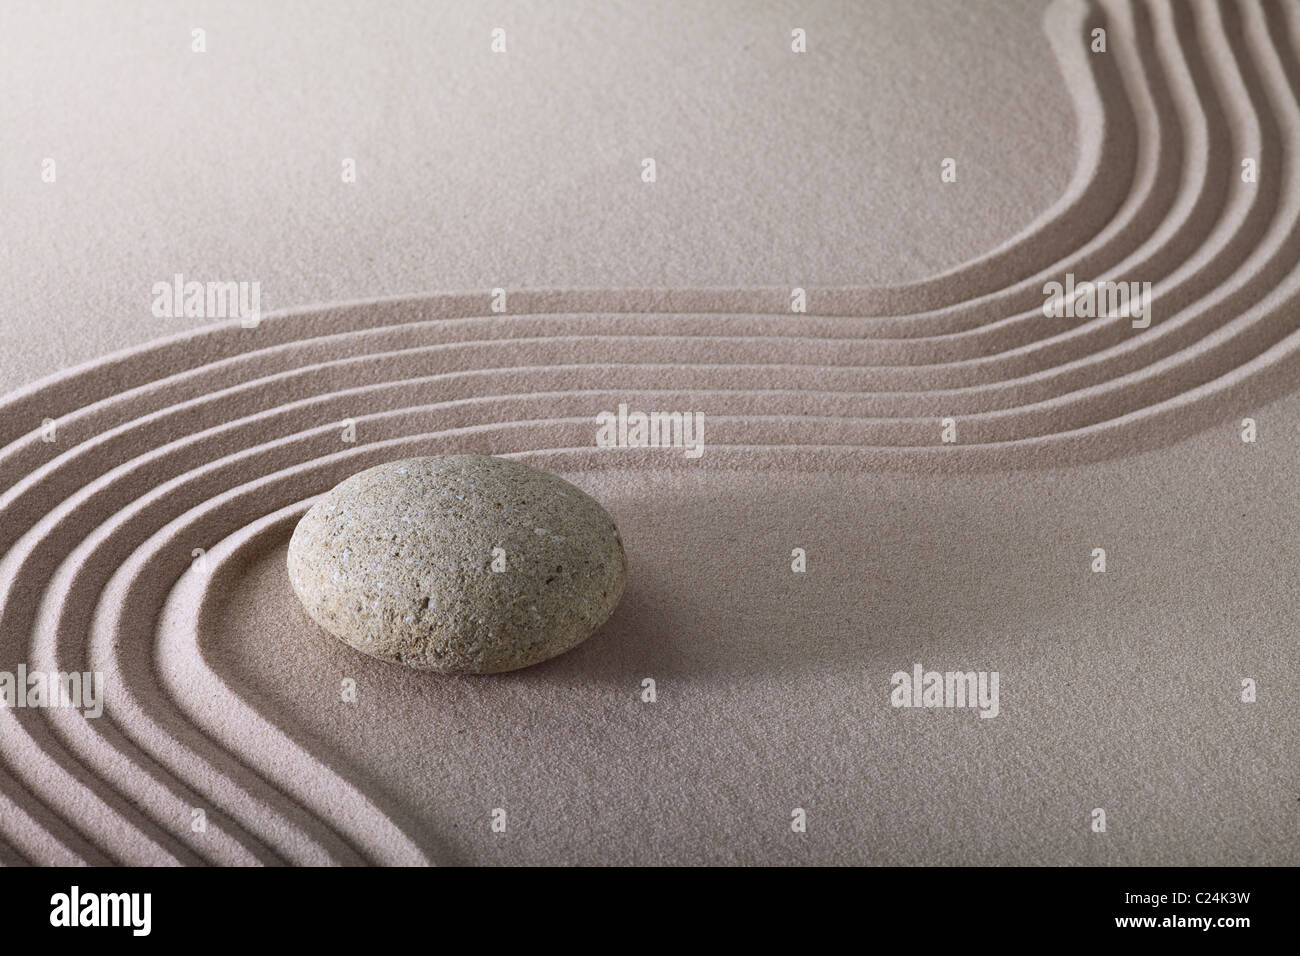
x,y
463,564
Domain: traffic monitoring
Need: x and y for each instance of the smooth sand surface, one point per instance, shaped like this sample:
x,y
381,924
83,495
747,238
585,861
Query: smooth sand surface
x,y
1119,691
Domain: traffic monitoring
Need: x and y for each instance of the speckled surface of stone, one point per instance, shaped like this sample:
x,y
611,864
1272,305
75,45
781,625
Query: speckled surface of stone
x,y
458,563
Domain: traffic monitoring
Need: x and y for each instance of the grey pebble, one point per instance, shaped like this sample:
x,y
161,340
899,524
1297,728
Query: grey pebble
x,y
397,561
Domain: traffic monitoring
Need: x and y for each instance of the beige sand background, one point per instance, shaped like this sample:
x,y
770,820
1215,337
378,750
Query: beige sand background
x,y
1118,690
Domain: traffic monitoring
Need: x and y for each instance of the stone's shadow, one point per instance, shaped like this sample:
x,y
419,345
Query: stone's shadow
x,y
935,573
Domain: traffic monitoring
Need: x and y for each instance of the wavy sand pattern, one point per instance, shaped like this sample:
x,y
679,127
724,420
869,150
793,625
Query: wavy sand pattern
x,y
221,438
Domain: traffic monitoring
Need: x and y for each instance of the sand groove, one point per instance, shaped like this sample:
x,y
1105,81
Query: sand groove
x,y
220,438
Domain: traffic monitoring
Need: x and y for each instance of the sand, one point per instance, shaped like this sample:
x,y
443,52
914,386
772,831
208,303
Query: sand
x,y
1119,690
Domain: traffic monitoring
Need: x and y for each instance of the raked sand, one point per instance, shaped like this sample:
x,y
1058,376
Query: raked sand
x,y
1118,691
